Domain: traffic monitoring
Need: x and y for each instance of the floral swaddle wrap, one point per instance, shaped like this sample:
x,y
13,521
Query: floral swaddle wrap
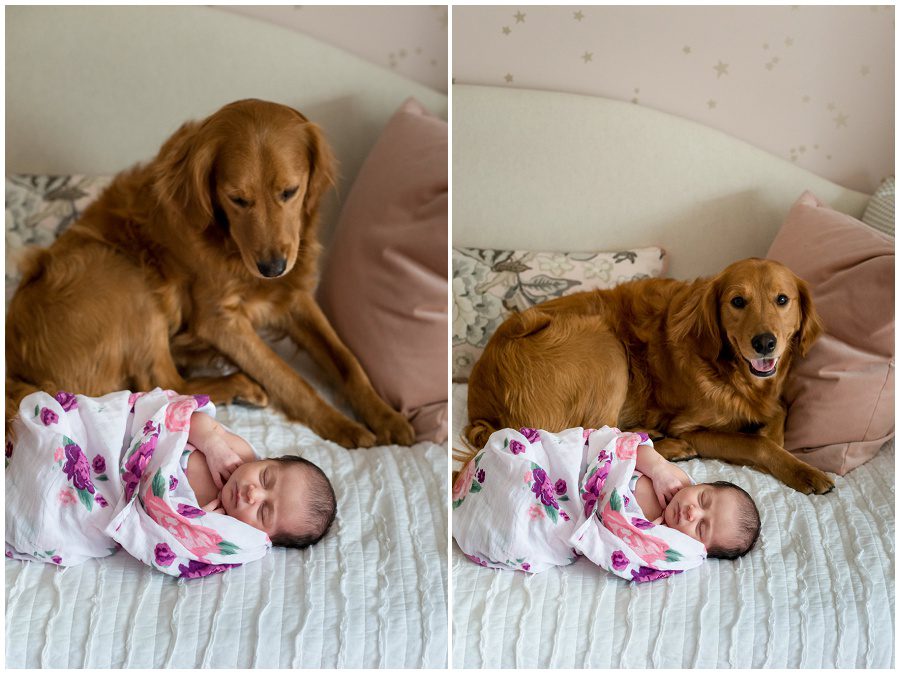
x,y
87,475
531,500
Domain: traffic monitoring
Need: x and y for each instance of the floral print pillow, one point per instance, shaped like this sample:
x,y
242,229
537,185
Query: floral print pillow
x,y
489,285
39,209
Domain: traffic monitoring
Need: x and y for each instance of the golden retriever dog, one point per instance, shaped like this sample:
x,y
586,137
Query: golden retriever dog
x,y
183,260
699,364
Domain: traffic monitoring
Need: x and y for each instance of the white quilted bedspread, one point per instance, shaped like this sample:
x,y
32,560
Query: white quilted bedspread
x,y
816,591
372,594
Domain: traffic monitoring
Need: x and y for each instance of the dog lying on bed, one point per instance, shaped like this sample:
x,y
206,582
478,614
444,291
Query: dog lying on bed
x,y
181,261
701,363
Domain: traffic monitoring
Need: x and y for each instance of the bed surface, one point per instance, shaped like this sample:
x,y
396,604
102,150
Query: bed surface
x,y
817,591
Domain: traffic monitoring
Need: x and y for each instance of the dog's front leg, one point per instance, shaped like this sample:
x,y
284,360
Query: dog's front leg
x,y
235,337
761,453
310,329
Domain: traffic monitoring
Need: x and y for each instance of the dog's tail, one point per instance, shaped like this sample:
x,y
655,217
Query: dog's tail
x,y
16,390
524,324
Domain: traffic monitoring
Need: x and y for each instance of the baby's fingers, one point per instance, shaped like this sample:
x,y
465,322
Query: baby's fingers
x,y
218,480
211,506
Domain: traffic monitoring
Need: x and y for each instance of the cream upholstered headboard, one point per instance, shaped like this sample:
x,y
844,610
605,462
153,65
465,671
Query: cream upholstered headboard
x,y
535,170
92,90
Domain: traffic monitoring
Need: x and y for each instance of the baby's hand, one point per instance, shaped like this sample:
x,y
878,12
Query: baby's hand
x,y
668,479
222,462
214,506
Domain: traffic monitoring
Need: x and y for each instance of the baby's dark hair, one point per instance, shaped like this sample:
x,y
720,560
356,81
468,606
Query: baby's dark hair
x,y
322,506
747,526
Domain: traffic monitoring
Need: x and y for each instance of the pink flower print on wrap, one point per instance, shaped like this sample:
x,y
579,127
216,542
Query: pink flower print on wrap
x,y
58,454
178,414
66,496
195,537
531,435
535,512
586,432
464,481
66,400
626,446
649,548
473,558
48,416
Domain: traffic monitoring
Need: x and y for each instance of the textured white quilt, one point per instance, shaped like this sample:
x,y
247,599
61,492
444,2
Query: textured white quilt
x,y
816,591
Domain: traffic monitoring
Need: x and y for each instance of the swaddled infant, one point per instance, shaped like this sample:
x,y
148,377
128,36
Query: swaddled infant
x,y
155,474
532,499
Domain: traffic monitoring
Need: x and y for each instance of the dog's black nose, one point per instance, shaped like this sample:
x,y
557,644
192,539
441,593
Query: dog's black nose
x,y
272,268
764,343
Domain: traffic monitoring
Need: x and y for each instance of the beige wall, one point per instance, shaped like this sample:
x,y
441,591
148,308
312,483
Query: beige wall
x,y
410,40
812,84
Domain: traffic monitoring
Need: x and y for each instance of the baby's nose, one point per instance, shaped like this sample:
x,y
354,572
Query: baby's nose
x,y
251,494
689,513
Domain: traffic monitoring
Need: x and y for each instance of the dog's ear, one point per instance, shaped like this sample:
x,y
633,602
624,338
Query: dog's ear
x,y
183,174
697,320
322,169
811,325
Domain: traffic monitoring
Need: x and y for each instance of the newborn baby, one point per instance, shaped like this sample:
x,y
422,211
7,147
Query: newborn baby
x,y
155,474
531,500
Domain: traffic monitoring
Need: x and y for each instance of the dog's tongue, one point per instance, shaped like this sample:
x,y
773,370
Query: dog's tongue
x,y
763,364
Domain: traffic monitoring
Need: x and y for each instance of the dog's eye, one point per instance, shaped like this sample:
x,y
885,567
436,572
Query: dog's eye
x,y
782,300
238,201
288,193
738,302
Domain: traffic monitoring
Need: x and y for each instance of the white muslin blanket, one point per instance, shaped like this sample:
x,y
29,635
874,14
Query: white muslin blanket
x,y
87,475
532,499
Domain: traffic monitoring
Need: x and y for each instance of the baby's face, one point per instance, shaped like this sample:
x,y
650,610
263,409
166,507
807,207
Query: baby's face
x,y
706,513
267,495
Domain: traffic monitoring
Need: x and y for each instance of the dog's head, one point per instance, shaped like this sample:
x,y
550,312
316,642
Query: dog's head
x,y
256,168
756,310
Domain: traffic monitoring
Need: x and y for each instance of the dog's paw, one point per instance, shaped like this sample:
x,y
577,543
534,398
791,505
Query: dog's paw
x,y
395,430
247,391
809,480
673,449
345,432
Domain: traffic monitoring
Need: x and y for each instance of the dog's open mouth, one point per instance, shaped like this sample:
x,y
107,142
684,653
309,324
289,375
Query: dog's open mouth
x,y
763,367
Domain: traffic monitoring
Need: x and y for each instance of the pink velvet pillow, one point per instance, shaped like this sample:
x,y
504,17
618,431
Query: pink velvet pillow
x,y
841,396
384,286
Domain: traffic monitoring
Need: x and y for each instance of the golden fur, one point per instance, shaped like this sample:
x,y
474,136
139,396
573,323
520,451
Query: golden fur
x,y
663,356
184,259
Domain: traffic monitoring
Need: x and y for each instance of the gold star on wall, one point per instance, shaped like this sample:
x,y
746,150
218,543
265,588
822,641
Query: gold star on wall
x,y
578,16
507,30
588,56
520,17
721,69
508,78
686,49
840,120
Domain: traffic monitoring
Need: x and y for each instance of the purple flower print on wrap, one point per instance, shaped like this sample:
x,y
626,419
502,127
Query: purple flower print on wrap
x,y
641,523
645,573
77,469
173,482
602,456
516,447
526,566
9,448
542,488
48,416
531,435
99,464
643,436
98,497
67,400
9,554
201,400
136,465
619,560
593,486
196,569
479,475
560,487
163,554
56,559
149,427
473,558
189,511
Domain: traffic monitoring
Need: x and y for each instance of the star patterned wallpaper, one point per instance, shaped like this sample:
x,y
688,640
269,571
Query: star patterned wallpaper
x,y
811,84
411,39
